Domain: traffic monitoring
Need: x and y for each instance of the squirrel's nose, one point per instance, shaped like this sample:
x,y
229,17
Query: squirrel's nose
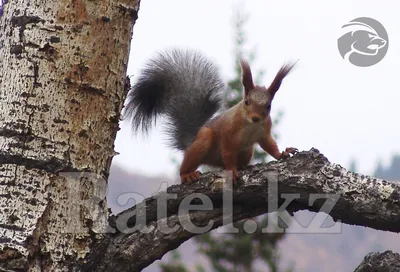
x,y
255,119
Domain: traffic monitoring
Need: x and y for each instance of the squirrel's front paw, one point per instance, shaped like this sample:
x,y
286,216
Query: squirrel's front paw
x,y
288,151
190,177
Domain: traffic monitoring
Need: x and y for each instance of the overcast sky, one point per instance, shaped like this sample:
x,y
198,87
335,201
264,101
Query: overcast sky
x,y
343,110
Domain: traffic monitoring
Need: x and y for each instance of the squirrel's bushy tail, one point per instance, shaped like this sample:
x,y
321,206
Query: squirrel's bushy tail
x,y
181,84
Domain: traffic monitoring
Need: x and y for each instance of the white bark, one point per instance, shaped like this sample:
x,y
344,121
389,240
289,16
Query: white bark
x,y
62,85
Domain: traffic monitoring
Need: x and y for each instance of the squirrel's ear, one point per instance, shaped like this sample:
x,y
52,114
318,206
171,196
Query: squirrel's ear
x,y
247,78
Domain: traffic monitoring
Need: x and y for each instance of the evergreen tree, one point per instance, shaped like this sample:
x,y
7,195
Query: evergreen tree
x,y
392,172
353,165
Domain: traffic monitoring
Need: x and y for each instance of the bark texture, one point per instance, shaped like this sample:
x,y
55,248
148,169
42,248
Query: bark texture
x,y
380,262
62,86
308,176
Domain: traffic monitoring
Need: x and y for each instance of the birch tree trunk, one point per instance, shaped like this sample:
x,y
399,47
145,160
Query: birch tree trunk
x,y
62,84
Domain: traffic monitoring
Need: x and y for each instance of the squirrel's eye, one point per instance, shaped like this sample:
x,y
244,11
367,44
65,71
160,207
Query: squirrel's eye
x,y
246,102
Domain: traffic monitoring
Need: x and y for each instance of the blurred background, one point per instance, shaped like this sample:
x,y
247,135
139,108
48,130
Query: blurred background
x,y
350,113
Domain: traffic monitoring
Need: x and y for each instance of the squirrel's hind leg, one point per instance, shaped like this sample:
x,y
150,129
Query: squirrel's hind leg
x,y
195,154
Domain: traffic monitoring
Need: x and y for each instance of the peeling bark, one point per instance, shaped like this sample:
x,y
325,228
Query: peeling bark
x,y
62,85
362,200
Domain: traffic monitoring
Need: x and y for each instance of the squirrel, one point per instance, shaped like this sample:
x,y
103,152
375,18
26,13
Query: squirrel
x,y
186,87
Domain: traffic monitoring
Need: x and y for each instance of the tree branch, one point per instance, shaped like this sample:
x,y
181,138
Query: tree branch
x,y
361,200
379,262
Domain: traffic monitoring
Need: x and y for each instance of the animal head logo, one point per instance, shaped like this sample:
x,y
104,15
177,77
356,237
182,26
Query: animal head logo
x,y
364,42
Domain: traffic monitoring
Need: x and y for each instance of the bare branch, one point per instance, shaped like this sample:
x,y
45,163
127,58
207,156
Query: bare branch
x,y
361,200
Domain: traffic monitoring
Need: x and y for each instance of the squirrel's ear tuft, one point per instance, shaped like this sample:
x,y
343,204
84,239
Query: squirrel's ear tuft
x,y
247,78
282,73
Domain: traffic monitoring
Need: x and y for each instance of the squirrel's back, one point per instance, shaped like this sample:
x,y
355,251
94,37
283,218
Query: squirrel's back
x,y
181,84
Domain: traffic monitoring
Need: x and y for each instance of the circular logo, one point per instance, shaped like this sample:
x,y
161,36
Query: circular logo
x,y
364,42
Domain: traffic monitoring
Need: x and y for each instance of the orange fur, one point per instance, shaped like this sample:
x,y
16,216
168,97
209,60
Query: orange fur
x,y
194,155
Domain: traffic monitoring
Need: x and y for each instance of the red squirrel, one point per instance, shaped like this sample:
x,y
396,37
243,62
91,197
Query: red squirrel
x,y
187,88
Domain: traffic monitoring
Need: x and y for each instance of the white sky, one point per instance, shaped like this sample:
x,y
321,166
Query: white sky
x,y
343,110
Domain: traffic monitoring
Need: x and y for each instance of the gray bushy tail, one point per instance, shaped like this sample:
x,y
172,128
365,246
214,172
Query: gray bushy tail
x,y
181,84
